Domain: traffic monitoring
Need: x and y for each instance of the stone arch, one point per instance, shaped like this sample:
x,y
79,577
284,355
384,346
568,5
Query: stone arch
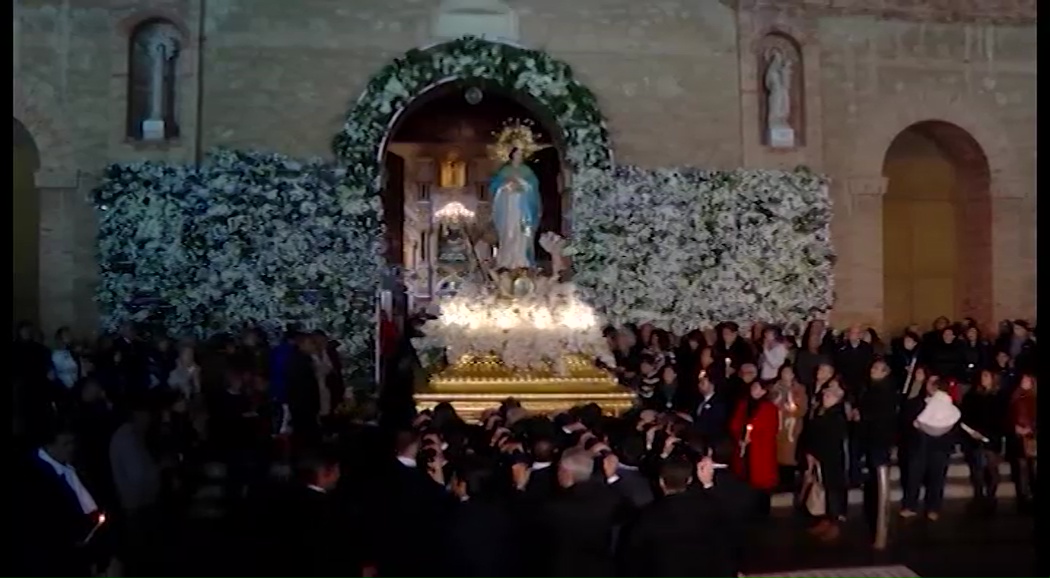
x,y
937,227
896,113
53,145
548,81
25,226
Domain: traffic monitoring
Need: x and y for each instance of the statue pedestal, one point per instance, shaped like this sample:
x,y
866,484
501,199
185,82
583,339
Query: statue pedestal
x,y
782,137
153,130
476,384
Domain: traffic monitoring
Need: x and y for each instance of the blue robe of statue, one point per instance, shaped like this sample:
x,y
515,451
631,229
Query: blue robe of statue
x,y
516,209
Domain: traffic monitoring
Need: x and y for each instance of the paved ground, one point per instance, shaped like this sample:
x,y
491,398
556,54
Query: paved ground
x,y
959,544
860,572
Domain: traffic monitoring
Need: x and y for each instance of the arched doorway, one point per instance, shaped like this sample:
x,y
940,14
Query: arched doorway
x,y
437,153
936,227
25,226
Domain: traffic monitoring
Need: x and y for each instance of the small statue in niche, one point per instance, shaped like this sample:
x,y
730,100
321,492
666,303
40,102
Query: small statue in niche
x,y
778,98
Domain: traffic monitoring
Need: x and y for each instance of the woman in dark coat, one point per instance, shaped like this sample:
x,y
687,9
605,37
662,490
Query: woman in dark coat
x,y
976,354
982,414
824,443
945,357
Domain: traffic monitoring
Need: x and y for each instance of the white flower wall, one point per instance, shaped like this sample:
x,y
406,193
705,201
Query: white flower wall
x,y
685,248
247,238
254,238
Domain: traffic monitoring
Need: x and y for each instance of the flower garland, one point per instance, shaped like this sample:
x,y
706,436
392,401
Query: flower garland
x,y
550,82
685,248
246,238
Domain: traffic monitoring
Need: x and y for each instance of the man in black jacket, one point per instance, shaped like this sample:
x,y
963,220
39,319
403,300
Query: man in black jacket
x,y
304,393
482,535
680,534
306,532
739,502
54,514
711,413
576,528
877,409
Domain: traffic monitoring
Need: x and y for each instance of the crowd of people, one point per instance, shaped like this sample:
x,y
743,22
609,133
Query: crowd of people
x,y
112,439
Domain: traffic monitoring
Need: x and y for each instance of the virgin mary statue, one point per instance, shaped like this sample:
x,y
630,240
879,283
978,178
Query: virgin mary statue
x,y
516,205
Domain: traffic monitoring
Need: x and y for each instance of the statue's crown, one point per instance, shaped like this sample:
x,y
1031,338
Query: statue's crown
x,y
516,134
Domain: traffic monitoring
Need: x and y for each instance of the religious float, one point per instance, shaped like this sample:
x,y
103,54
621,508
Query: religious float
x,y
505,326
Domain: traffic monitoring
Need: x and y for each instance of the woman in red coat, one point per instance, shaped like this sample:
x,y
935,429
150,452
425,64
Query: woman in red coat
x,y
754,426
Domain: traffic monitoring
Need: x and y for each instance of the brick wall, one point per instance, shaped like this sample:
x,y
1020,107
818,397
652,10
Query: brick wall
x,y
678,81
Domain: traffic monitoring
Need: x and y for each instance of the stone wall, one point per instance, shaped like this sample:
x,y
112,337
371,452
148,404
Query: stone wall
x,y
678,81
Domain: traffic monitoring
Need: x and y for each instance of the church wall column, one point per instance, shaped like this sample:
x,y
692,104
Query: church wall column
x,y
856,232
68,263
1013,265
56,191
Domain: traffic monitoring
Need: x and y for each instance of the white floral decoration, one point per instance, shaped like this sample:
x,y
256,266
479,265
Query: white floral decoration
x,y
685,248
247,238
548,81
535,332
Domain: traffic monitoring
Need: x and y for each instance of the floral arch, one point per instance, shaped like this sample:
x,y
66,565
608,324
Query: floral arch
x,y
548,81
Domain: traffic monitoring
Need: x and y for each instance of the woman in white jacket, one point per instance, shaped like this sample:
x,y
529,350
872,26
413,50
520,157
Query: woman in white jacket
x,y
774,354
65,363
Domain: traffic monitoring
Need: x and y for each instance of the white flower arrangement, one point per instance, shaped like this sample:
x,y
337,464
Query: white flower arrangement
x,y
527,333
261,238
529,72
685,248
247,238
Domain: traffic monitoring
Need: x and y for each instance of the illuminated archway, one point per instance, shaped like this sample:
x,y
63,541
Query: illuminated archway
x,y
937,230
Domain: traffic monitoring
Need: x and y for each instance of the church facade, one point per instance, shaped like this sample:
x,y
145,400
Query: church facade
x,y
921,113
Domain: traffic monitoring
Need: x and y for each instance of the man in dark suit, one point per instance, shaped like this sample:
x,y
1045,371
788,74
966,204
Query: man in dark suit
x,y
877,409
622,471
306,532
54,514
134,359
411,511
853,361
681,533
542,479
483,538
576,528
304,394
739,502
711,413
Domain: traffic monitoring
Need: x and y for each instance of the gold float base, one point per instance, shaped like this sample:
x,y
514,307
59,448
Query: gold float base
x,y
476,384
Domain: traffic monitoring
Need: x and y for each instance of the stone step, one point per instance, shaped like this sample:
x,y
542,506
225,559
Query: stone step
x,y
957,486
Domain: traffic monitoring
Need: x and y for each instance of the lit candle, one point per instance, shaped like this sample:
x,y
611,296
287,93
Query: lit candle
x,y
747,440
98,524
728,362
